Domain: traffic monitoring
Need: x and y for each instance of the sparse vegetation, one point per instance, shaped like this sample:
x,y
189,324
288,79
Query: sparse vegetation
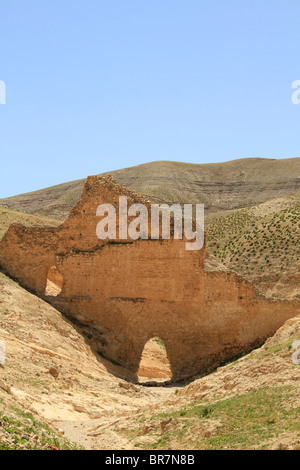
x,y
160,343
258,247
21,431
255,420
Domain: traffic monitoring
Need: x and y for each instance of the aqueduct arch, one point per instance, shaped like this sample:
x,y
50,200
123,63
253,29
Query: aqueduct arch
x,y
154,362
131,291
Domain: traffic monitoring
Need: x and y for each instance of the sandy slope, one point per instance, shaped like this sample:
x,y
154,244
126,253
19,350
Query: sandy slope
x,y
85,394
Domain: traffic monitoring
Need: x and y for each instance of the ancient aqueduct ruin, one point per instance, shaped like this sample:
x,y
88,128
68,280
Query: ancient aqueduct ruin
x,y
131,291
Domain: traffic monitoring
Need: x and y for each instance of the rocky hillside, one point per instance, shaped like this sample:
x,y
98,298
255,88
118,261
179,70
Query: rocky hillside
x,y
220,186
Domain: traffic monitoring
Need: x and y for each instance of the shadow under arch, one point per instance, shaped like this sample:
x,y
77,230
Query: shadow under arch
x,y
154,362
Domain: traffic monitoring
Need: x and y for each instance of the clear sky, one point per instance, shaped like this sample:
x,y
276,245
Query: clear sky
x,y
96,85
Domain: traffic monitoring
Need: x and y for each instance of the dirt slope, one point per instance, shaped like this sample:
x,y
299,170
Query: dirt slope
x,y
220,186
55,378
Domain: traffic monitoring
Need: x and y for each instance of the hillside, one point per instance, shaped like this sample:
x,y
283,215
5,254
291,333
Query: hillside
x,y
261,243
220,186
8,217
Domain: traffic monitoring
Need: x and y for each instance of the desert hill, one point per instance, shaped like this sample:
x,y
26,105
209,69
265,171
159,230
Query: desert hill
x,y
220,186
261,243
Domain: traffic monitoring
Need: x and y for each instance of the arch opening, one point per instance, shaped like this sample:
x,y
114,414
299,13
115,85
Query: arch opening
x,y
54,282
154,363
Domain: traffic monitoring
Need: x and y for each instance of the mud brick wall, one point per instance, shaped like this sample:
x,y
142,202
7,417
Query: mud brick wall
x,y
131,291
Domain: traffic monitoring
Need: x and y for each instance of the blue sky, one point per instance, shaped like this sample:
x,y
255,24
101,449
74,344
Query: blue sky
x,y
96,85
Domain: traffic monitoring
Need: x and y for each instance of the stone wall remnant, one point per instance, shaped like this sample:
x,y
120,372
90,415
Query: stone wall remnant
x,y
131,291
